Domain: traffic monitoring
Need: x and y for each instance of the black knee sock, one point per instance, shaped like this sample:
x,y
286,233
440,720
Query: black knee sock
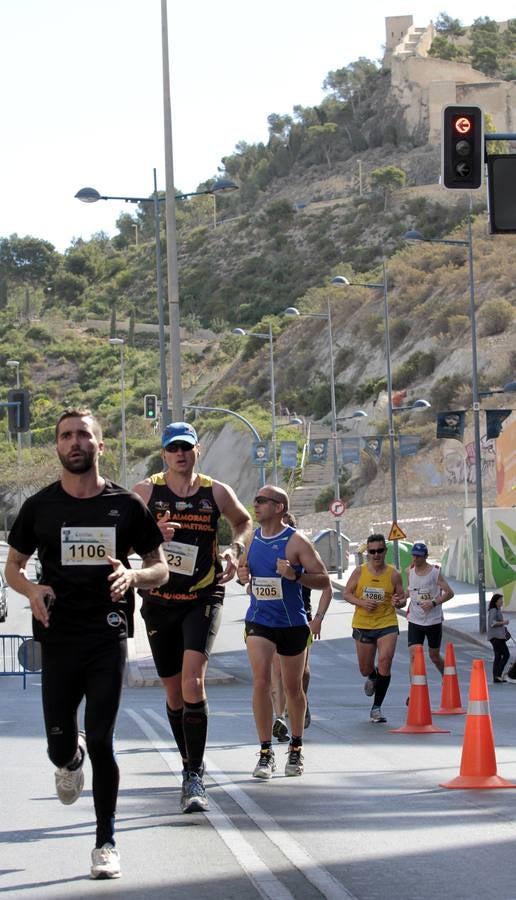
x,y
382,686
175,718
195,727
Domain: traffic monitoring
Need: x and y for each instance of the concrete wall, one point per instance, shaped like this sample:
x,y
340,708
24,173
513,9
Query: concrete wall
x,y
459,560
423,85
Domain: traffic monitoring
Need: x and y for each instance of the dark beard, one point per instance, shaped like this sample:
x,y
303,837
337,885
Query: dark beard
x,y
80,465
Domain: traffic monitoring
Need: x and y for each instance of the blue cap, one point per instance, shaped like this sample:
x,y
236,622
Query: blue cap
x,y
179,431
419,549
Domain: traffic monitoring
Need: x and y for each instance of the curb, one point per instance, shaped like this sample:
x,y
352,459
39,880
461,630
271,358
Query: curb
x,y
449,628
137,675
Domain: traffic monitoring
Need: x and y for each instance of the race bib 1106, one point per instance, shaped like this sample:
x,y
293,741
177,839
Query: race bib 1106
x,y
87,546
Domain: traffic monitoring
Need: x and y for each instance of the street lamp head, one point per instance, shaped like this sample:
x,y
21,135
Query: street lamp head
x,y
12,362
225,186
413,236
88,195
294,420
291,311
508,388
339,279
421,404
357,414
116,341
239,331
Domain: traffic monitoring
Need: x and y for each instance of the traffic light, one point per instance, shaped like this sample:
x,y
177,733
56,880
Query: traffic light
x,y
462,138
150,406
19,414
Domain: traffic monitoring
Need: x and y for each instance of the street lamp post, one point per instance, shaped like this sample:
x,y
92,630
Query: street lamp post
x,y
119,342
15,364
292,311
268,337
231,412
340,280
91,195
413,237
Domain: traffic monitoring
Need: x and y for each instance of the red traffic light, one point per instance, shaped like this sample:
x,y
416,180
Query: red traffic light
x,y
463,124
462,147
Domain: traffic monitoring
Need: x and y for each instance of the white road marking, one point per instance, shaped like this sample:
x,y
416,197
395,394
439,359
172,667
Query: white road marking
x,y
329,887
265,882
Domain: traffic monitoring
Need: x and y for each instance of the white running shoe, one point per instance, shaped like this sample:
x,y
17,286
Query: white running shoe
x,y
370,684
69,783
105,862
266,764
193,794
295,761
280,730
376,716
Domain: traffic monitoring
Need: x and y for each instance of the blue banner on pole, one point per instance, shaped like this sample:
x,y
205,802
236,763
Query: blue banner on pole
x,y
409,444
450,424
288,454
494,421
260,453
350,450
373,446
318,450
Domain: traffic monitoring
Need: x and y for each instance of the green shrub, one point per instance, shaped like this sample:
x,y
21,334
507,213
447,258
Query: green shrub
x,y
449,392
224,532
458,324
324,499
418,365
370,388
343,359
495,316
398,330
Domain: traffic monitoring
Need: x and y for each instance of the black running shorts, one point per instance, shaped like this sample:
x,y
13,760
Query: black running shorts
x,y
290,641
418,633
371,635
177,627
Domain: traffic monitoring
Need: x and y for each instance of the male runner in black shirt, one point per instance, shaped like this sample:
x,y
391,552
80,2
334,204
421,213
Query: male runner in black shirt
x,y
83,528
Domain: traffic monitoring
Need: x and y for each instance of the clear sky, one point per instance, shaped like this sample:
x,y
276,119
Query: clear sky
x,y
82,102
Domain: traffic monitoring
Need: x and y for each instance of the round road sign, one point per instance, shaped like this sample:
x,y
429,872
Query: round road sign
x,y
337,508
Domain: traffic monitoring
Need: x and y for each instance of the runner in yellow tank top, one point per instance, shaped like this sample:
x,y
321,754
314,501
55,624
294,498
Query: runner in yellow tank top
x,y
376,590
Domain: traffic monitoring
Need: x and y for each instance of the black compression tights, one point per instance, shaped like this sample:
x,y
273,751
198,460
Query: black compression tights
x,y
93,671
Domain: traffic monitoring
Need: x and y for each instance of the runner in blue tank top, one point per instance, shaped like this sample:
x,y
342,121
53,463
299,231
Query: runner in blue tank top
x,y
287,609
279,561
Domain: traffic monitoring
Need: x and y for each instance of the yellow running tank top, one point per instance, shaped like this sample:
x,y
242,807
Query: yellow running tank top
x,y
379,588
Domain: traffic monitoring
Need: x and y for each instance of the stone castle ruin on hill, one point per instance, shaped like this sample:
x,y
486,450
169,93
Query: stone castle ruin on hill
x,y
422,84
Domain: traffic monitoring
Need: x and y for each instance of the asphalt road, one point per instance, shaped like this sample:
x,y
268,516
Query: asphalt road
x,y
367,820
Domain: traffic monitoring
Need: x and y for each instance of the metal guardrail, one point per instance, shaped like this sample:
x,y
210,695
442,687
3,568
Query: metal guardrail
x,y
14,656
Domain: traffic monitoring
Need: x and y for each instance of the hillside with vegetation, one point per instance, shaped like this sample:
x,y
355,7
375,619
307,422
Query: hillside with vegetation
x,y
331,193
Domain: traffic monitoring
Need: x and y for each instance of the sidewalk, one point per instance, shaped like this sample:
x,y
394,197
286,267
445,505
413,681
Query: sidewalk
x,y
141,671
461,613
461,622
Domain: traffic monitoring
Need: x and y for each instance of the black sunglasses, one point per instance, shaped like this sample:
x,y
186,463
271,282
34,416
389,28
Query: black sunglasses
x,y
375,550
178,445
261,500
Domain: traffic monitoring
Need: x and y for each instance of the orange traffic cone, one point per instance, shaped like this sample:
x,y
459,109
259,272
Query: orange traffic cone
x,y
451,704
478,763
419,716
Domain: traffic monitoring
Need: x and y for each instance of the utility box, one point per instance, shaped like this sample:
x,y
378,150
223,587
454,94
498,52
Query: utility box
x,y
325,542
